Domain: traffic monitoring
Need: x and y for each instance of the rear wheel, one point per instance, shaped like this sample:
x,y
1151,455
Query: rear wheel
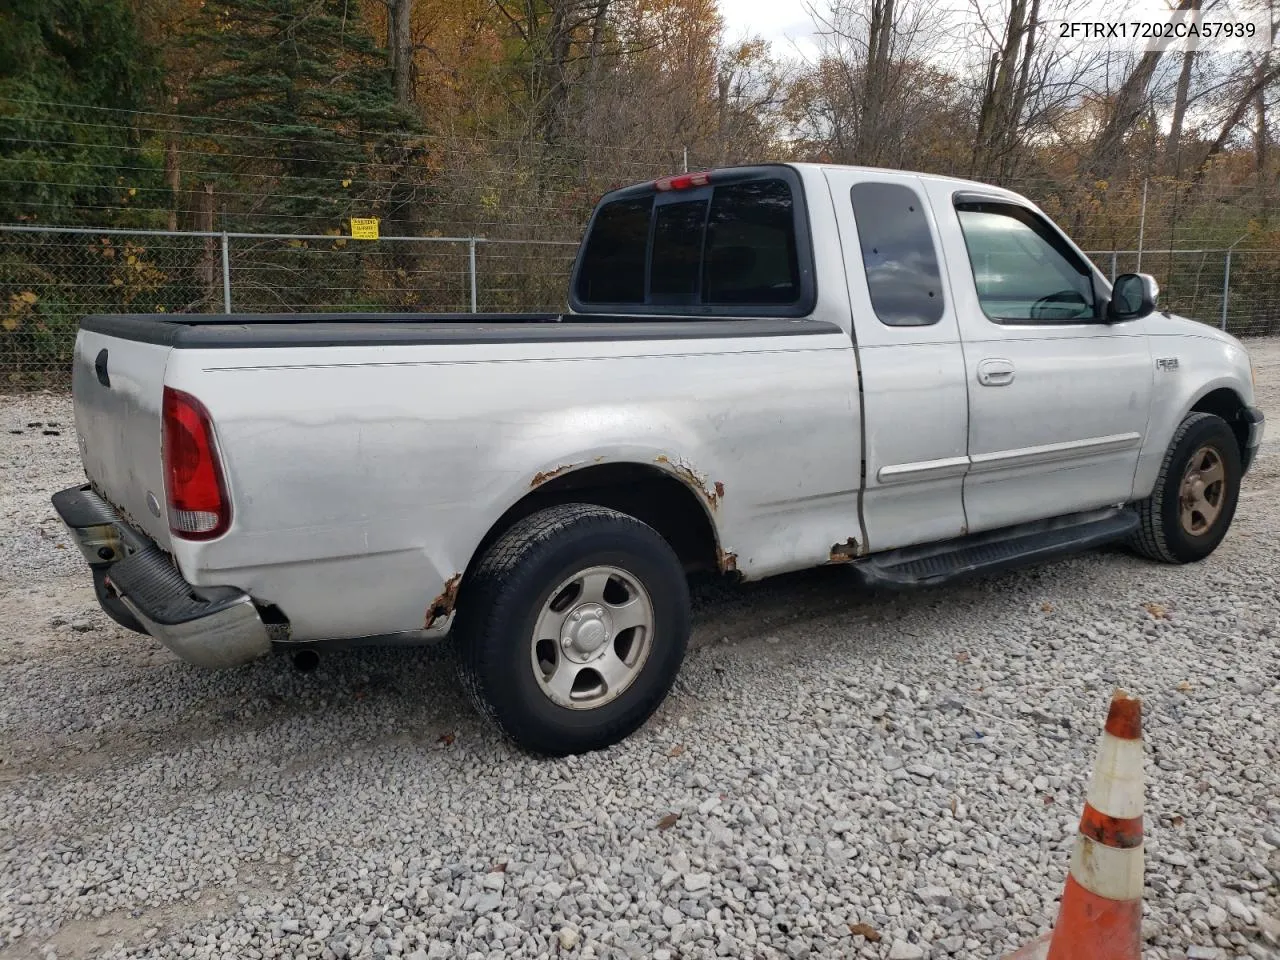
x,y
1194,500
572,628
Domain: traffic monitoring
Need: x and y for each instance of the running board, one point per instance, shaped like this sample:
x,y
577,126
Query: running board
x,y
995,550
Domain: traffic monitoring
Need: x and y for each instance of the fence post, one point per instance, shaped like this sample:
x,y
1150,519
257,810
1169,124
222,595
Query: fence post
x,y
471,245
1113,266
1142,226
1226,290
226,274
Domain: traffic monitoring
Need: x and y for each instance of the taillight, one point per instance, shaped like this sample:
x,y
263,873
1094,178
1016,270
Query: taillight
x,y
683,181
199,508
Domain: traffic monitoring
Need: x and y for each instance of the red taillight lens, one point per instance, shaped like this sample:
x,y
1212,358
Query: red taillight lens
x,y
199,508
683,181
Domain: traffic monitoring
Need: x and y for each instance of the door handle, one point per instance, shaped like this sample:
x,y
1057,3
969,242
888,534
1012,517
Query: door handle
x,y
995,372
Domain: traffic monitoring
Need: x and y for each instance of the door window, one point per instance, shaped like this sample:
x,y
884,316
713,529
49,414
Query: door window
x,y
898,254
1023,270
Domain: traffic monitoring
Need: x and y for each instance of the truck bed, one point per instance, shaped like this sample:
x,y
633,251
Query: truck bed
x,y
226,331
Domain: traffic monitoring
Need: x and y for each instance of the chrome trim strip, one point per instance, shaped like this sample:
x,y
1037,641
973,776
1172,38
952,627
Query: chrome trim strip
x,y
1054,452
923,470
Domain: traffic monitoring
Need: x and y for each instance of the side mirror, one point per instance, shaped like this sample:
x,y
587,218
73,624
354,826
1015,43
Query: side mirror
x,y
1133,296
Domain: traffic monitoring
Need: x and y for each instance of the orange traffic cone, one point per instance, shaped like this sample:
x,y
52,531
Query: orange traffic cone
x,y
1100,917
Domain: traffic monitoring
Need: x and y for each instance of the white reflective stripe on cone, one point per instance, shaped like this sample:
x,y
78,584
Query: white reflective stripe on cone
x,y
1109,872
1116,787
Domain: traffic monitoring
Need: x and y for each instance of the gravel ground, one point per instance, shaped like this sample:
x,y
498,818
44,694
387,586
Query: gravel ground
x,y
836,774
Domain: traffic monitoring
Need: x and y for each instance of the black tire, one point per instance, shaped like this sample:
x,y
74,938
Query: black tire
x,y
1161,535
499,607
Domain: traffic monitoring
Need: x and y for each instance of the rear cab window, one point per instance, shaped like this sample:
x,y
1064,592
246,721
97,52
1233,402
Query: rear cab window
x,y
731,243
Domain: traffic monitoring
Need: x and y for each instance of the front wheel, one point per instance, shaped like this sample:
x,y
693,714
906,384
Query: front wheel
x,y
1195,496
572,628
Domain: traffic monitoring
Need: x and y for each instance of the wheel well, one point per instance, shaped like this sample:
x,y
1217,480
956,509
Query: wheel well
x,y
1226,403
644,492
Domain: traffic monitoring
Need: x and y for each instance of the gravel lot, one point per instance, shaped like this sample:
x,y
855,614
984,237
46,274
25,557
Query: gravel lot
x,y
836,775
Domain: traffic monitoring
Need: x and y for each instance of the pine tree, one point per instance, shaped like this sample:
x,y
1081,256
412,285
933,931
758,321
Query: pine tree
x,y
296,101
71,151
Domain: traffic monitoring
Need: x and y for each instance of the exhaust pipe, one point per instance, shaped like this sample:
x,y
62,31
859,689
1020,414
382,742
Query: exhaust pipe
x,y
305,661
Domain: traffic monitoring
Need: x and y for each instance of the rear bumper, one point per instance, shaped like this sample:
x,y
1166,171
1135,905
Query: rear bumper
x,y
1256,422
138,586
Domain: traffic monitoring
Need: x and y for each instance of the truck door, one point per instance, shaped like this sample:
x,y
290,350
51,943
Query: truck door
x,y
915,409
1058,397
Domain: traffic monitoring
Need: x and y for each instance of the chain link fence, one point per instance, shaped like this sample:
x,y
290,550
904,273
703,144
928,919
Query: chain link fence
x,y
51,277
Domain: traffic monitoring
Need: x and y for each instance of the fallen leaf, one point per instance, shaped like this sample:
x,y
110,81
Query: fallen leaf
x,y
676,750
865,930
446,738
499,868
1184,686
1177,820
1156,610
669,821
1047,607
954,805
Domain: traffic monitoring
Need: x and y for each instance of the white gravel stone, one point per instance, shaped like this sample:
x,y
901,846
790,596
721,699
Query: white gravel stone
x,y
568,936
901,950
870,774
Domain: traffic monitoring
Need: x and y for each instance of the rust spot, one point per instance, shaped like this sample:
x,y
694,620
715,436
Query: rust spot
x,y
727,562
540,478
442,605
712,493
843,552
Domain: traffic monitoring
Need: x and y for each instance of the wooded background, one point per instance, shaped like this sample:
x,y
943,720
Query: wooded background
x,y
507,119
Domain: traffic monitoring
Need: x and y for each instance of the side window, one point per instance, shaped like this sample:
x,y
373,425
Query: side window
x,y
898,254
613,261
1023,271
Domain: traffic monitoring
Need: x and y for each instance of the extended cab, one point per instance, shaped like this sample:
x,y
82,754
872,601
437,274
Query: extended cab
x,y
765,369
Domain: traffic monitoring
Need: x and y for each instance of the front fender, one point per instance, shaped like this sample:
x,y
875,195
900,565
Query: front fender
x,y
1205,361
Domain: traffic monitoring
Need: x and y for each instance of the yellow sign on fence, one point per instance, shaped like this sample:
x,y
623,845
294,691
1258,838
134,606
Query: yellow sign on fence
x,y
364,228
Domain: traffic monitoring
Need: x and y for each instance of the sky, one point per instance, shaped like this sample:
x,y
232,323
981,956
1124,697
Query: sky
x,y
781,22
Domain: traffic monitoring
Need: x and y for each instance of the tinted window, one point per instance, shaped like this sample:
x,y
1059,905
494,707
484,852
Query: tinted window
x,y
1024,272
751,245
613,262
730,245
898,254
677,252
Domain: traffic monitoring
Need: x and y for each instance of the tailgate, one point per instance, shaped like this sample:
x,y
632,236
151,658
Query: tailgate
x,y
118,385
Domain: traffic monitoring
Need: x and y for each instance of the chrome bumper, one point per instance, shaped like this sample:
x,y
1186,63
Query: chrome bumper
x,y
139,587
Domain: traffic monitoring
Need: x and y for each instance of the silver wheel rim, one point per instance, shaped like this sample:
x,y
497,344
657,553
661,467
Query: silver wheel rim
x,y
592,638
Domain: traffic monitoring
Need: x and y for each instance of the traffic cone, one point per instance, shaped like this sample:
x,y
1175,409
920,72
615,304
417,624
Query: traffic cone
x,y
1100,917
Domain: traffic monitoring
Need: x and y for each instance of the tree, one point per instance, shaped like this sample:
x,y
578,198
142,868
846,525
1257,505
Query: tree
x,y
296,109
72,75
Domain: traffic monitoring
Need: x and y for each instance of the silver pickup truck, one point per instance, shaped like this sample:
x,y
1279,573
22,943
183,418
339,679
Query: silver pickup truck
x,y
764,369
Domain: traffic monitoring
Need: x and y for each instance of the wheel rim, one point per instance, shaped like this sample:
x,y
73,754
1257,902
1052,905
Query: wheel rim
x,y
1201,494
592,638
